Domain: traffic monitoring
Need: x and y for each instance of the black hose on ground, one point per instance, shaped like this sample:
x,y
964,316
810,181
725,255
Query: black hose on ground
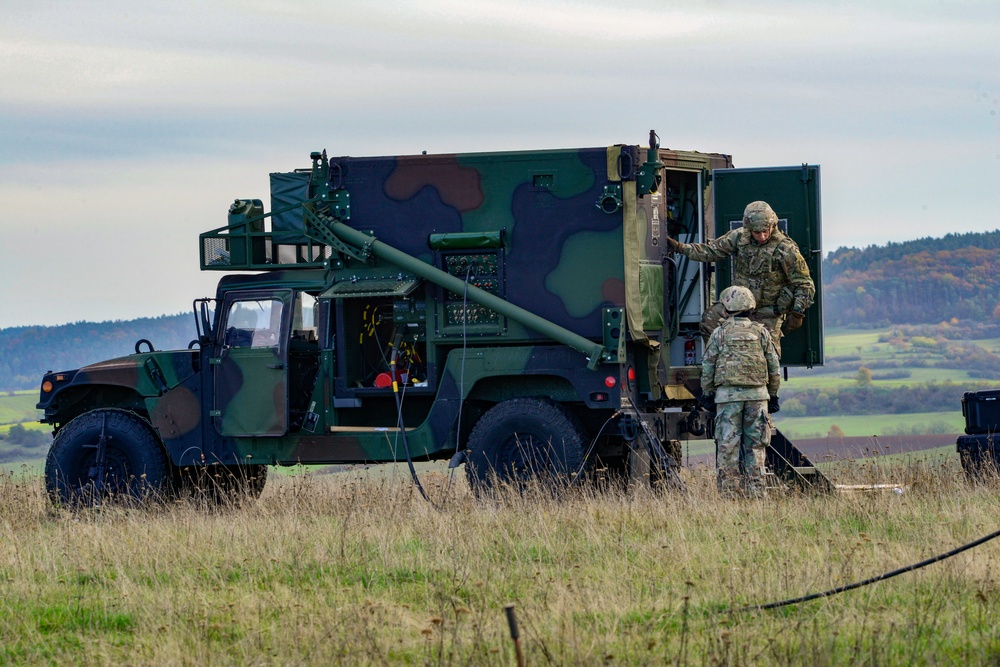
x,y
872,580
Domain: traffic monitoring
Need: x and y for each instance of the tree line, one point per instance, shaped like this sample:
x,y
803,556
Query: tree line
x,y
923,281
28,352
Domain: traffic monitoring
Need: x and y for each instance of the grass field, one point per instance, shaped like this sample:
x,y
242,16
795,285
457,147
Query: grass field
x,y
346,571
802,379
355,569
857,425
18,406
866,345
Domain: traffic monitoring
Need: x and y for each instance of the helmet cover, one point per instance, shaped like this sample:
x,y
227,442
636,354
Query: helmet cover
x,y
737,299
759,217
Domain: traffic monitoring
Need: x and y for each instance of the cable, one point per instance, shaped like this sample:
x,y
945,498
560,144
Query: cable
x,y
461,375
399,416
872,580
396,344
583,463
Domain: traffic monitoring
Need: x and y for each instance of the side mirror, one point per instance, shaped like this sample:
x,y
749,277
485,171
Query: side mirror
x,y
204,309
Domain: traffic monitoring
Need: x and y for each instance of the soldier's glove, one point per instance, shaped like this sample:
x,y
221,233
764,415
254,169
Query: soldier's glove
x,y
675,245
793,321
707,402
772,405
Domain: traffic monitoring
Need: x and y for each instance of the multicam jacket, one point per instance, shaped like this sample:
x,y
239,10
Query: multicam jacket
x,y
764,268
740,363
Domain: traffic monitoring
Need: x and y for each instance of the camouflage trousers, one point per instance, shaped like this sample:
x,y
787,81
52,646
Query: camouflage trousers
x,y
742,433
772,322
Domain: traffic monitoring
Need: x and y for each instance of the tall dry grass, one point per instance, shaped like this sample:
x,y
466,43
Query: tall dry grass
x,y
350,570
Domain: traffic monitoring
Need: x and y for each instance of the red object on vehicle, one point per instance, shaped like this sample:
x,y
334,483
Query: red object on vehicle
x,y
383,380
689,352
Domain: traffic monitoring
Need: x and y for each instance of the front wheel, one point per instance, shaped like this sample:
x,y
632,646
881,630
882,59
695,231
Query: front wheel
x,y
522,440
106,454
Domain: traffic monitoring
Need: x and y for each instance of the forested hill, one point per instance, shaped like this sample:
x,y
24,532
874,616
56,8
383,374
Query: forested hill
x,y
27,352
925,281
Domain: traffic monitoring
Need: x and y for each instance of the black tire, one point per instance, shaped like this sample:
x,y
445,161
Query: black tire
x,y
523,440
225,485
135,463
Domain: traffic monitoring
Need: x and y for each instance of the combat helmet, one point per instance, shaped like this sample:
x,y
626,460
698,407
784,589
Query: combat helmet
x,y
758,216
737,299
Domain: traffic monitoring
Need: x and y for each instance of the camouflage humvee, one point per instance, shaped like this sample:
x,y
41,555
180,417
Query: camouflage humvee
x,y
518,312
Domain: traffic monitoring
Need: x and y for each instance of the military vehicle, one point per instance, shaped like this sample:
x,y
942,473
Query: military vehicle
x,y
515,311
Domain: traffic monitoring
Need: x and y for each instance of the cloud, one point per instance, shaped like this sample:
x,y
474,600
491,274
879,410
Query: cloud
x,y
123,122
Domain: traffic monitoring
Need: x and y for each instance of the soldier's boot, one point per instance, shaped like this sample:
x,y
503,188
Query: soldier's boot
x,y
730,484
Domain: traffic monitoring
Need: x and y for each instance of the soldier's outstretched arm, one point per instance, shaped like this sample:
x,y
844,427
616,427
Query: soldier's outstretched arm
x,y
713,251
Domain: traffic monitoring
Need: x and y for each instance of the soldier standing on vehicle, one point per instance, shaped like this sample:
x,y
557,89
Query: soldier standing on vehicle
x,y
768,263
740,374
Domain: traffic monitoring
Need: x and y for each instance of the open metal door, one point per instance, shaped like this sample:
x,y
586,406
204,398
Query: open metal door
x,y
794,194
251,364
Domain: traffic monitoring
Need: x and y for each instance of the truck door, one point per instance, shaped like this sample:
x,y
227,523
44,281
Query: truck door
x,y
793,193
251,364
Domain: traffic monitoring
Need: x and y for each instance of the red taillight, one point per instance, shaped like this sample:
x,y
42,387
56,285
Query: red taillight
x,y
610,382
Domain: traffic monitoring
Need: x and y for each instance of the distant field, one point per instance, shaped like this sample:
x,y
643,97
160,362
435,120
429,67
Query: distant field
x,y
18,407
866,347
803,379
858,425
991,344
841,342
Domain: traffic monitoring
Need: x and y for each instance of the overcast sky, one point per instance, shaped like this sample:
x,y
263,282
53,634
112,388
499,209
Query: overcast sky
x,y
127,128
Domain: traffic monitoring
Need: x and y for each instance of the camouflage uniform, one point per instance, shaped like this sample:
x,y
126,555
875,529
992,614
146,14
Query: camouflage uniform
x,y
774,271
741,368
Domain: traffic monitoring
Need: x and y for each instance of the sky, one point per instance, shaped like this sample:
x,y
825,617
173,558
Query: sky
x,y
126,128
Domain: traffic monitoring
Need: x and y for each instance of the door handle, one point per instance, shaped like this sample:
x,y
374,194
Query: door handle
x,y
276,366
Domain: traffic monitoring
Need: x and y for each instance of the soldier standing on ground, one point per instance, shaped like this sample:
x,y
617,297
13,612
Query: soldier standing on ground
x,y
768,263
740,373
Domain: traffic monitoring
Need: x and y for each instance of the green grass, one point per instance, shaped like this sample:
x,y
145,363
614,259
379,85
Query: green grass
x,y
864,425
330,570
991,344
26,467
866,345
18,407
845,342
802,379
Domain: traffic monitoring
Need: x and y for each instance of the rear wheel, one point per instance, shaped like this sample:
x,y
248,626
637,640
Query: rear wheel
x,y
523,440
106,454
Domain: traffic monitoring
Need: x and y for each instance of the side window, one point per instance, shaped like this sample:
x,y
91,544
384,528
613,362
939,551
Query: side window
x,y
254,323
305,318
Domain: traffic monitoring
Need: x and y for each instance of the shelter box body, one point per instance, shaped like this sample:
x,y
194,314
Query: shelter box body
x,y
981,410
